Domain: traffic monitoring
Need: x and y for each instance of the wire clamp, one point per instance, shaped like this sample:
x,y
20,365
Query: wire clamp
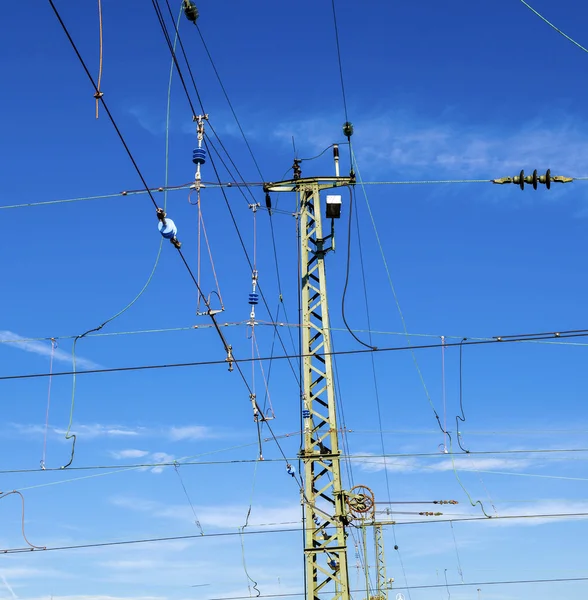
x,y
230,358
253,397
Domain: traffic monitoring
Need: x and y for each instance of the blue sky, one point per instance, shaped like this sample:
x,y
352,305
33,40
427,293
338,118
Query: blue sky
x,y
470,91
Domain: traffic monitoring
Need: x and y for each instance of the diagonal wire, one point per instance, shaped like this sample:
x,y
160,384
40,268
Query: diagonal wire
x,y
554,27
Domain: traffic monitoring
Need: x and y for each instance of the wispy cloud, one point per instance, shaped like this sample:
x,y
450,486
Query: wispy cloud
x,y
405,142
161,457
130,453
189,432
13,340
88,431
460,463
100,430
223,517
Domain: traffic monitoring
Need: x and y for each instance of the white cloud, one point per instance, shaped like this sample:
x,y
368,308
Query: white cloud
x,y
189,432
541,507
229,516
14,340
480,464
161,457
461,463
96,597
98,430
420,146
130,453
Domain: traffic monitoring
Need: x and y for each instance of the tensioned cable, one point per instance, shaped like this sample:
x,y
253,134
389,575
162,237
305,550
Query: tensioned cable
x,y
228,100
277,323
207,141
122,139
164,28
68,434
348,457
266,532
500,340
229,184
427,587
339,59
554,27
375,380
408,340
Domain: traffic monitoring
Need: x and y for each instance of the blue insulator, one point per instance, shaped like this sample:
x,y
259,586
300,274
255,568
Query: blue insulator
x,y
290,470
167,230
253,298
199,156
306,414
333,564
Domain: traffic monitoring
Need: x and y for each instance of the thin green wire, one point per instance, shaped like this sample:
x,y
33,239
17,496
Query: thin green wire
x,y
556,29
409,343
68,434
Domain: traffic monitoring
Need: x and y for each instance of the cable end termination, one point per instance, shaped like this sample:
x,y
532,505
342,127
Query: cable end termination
x,y
534,179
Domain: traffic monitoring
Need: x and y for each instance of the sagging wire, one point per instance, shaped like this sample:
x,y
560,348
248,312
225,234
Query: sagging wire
x,y
347,275
444,394
5,495
459,569
196,520
253,301
462,418
320,154
199,158
377,396
44,456
241,532
447,586
355,167
68,434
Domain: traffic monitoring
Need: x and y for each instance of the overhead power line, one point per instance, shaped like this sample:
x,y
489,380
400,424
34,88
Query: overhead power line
x,y
350,457
100,96
264,532
498,340
427,587
554,27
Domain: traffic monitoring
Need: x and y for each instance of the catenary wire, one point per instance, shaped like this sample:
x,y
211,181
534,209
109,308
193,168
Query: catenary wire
x,y
428,587
554,27
347,457
207,141
229,184
265,532
120,135
499,340
375,382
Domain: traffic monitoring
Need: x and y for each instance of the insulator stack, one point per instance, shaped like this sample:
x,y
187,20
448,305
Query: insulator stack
x,y
306,414
253,298
167,229
190,11
535,179
199,156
